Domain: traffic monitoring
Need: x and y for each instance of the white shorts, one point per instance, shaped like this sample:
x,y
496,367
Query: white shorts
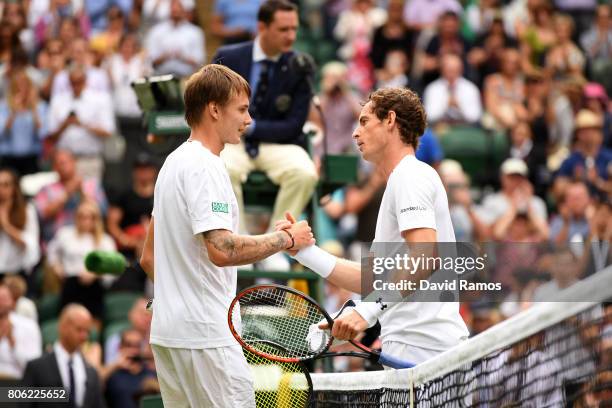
x,y
215,377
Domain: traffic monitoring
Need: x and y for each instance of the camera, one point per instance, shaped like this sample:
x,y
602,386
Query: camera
x,y
138,358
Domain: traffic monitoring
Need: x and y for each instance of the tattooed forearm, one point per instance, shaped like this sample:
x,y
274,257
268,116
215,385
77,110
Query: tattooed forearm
x,y
244,249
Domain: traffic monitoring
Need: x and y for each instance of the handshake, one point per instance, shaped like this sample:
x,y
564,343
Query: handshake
x,y
299,232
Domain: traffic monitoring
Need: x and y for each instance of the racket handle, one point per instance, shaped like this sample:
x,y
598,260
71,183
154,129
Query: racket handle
x,y
393,362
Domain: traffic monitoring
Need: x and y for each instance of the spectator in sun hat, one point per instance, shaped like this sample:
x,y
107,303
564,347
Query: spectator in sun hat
x,y
589,161
516,193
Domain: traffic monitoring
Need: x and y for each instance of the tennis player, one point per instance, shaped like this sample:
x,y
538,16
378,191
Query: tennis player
x,y
414,209
192,247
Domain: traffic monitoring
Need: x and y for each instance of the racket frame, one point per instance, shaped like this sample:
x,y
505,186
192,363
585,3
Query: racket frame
x,y
368,353
310,300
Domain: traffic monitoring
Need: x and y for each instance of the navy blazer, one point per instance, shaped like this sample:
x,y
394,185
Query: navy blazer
x,y
281,115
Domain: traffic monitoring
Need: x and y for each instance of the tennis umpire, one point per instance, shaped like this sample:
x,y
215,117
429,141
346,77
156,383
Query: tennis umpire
x,y
274,143
414,209
192,247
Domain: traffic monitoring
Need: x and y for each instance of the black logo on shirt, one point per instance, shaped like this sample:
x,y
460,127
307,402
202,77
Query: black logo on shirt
x,y
413,208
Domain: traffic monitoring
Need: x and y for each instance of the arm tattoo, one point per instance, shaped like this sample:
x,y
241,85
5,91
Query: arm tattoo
x,y
246,249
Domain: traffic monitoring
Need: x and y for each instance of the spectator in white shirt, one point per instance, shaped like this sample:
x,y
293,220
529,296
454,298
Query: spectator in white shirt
x,y
176,46
66,258
125,66
157,11
80,54
452,98
80,120
20,339
19,232
23,306
516,195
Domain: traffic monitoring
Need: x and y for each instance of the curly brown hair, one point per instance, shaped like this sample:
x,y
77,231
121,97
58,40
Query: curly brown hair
x,y
409,112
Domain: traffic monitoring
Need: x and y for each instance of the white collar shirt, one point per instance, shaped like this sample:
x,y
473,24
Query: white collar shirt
x,y
259,54
183,40
13,258
437,97
78,367
28,346
91,108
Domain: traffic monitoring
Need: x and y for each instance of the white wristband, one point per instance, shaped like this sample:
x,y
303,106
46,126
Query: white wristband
x,y
317,260
370,312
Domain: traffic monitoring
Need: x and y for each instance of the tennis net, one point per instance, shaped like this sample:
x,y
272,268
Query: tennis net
x,y
551,355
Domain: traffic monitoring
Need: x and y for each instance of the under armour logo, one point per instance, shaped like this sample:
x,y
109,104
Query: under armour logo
x,y
382,305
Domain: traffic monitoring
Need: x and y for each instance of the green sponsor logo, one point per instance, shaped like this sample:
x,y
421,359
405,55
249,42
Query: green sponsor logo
x,y
220,207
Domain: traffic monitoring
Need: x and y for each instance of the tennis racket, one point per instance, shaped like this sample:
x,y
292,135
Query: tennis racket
x,y
279,315
278,384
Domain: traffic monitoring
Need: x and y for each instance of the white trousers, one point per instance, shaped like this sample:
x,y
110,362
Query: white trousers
x,y
203,378
288,166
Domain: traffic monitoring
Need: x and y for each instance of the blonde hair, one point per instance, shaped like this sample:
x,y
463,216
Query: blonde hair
x,y
17,285
14,88
559,19
92,206
334,68
212,83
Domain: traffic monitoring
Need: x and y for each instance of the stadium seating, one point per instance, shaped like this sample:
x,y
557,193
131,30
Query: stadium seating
x,y
480,152
48,307
49,332
117,306
151,401
115,327
259,191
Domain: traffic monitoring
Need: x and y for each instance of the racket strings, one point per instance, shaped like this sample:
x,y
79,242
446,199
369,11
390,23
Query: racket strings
x,y
281,317
278,384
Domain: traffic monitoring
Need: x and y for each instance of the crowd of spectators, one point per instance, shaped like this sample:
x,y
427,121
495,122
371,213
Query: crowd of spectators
x,y
66,69
538,72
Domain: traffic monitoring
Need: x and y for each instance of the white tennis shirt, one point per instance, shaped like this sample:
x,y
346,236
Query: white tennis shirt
x,y
193,194
415,198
